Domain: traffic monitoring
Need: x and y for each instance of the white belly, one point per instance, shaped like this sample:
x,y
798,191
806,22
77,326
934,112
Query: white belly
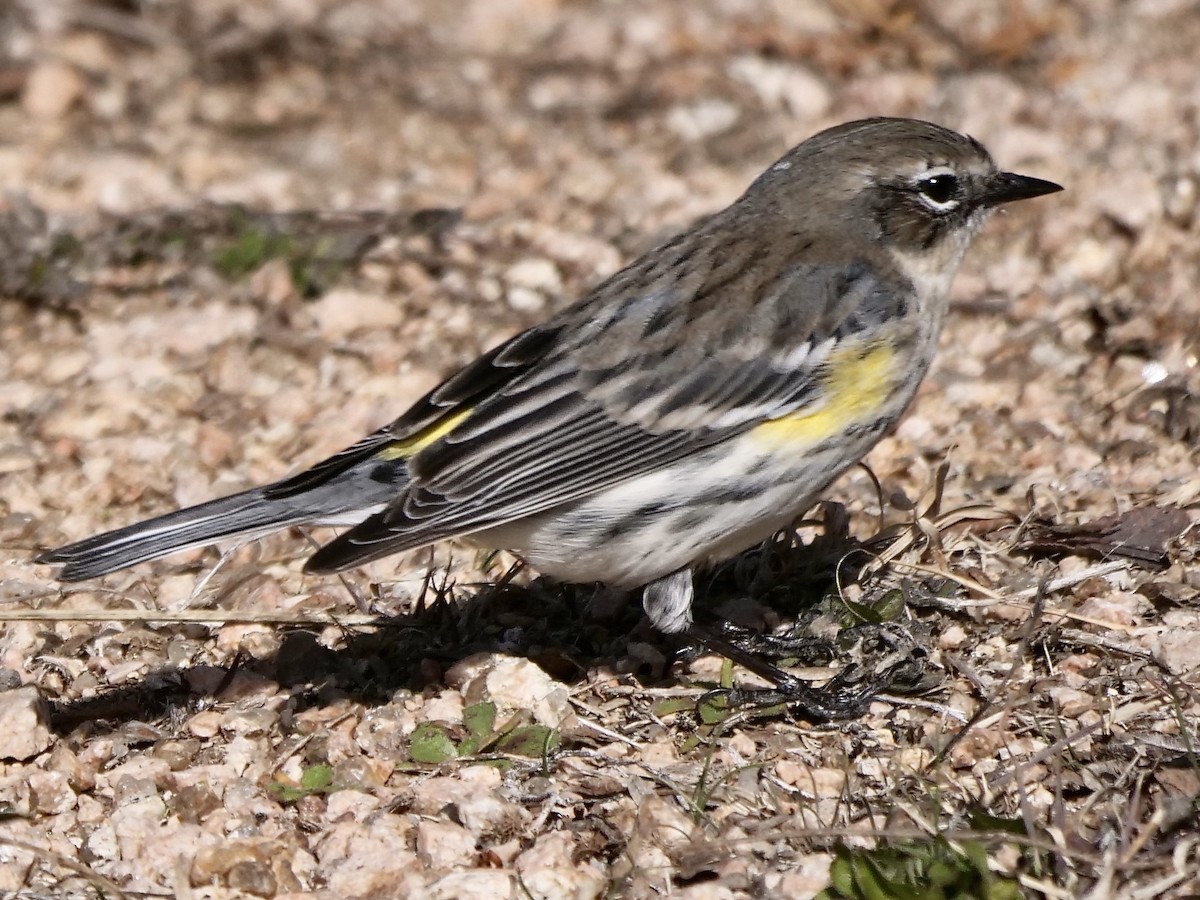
x,y
705,508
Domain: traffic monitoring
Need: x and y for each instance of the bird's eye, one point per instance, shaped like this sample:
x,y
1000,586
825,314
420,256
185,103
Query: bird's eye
x,y
940,190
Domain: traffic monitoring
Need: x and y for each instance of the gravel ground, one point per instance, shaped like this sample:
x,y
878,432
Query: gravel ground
x,y
237,236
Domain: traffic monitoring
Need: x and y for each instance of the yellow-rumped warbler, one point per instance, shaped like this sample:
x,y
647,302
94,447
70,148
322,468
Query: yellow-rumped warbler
x,y
684,410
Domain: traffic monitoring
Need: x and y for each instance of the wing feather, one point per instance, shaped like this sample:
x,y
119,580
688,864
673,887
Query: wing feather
x,y
437,410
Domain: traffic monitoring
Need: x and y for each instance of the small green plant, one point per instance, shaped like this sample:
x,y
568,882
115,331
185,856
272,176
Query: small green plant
x,y
876,611
714,711
316,779
925,870
314,261
252,247
433,743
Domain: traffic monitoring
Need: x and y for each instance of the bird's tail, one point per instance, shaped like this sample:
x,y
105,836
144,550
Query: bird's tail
x,y
345,499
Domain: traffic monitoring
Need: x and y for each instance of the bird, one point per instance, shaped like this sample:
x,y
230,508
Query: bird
x,y
683,410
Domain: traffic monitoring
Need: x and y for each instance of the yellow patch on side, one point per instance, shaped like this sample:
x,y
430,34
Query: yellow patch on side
x,y
859,379
411,446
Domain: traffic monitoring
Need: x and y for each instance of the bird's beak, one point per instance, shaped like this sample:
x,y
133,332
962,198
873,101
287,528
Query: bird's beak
x,y
1005,187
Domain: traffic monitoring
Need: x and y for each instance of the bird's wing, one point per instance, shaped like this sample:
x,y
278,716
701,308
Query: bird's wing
x,y
433,415
628,387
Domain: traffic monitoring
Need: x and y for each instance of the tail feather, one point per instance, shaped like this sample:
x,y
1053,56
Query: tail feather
x,y
346,499
243,514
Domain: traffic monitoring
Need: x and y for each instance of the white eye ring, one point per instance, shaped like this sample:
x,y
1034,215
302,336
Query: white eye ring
x,y
938,189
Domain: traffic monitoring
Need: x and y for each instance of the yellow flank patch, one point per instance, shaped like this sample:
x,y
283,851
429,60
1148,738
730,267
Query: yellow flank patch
x,y
858,380
413,445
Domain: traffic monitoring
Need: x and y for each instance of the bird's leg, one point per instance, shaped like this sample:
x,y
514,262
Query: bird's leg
x,y
806,649
759,665
843,696
668,601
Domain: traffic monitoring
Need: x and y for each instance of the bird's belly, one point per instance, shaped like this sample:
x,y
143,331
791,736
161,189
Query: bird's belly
x,y
708,507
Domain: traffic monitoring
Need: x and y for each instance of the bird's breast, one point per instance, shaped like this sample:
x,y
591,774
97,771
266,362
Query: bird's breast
x,y
859,387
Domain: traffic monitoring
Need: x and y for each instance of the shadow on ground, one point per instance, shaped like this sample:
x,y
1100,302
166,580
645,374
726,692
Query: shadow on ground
x,y
568,630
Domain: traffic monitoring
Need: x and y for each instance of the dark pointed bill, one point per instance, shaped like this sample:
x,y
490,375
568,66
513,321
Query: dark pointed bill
x,y
1006,187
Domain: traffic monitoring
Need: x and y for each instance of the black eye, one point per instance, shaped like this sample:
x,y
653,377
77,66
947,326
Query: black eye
x,y
940,189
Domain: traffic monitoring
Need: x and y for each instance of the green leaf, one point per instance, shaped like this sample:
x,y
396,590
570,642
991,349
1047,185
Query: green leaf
x,y
480,719
673,705
841,873
252,247
983,821
916,870
890,605
867,879
284,793
713,708
534,741
432,744
862,612
468,746
316,778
